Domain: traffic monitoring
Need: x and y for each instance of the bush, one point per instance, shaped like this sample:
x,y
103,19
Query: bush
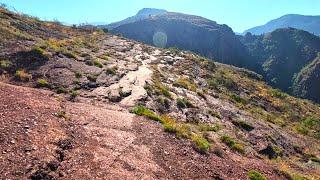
x,y
62,90
74,94
143,111
42,83
78,74
97,64
201,143
255,175
238,99
4,64
92,77
185,83
232,144
184,103
278,93
21,75
209,127
244,125
112,71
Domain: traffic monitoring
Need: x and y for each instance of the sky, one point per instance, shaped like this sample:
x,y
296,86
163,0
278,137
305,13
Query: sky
x,y
240,15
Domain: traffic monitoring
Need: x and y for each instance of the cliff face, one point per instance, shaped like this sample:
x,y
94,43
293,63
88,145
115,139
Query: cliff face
x,y
306,83
187,32
281,54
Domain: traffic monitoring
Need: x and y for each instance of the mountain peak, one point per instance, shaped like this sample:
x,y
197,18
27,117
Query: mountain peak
x,y
150,11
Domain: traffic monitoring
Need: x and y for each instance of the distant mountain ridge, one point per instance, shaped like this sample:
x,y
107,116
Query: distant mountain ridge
x,y
188,32
307,23
142,14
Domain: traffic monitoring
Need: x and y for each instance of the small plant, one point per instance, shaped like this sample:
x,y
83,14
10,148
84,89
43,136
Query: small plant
x,y
112,71
4,64
278,93
143,111
78,74
243,125
74,94
202,144
21,75
255,175
62,90
97,64
232,144
209,127
69,54
184,103
185,83
42,83
92,77
62,114
238,99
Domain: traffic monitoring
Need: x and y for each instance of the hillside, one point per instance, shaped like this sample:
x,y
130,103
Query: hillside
x,y
183,32
305,85
83,104
283,53
306,23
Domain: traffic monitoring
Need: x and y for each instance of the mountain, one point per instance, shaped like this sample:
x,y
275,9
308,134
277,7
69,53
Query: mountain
x,y
142,14
79,103
305,85
187,32
307,23
282,54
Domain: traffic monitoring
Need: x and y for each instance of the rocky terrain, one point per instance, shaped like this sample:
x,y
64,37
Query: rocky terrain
x,y
268,54
81,103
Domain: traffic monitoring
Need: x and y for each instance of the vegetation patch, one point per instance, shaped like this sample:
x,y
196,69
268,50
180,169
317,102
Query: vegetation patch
x,y
255,175
308,126
97,64
112,71
184,103
243,125
185,83
5,64
21,75
181,130
42,83
229,141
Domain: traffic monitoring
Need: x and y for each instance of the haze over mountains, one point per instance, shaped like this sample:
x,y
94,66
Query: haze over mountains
x,y
307,23
279,55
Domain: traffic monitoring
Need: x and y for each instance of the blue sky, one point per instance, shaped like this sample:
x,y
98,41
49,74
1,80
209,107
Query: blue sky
x,y
238,14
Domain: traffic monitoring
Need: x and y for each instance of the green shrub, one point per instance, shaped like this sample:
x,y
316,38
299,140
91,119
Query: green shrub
x,y
42,83
277,93
232,144
185,83
69,54
92,77
74,94
97,64
244,125
62,90
21,75
78,74
143,111
238,99
255,175
184,103
201,143
4,64
111,71
209,127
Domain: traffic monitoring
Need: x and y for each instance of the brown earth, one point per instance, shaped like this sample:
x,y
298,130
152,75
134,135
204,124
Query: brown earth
x,y
98,141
